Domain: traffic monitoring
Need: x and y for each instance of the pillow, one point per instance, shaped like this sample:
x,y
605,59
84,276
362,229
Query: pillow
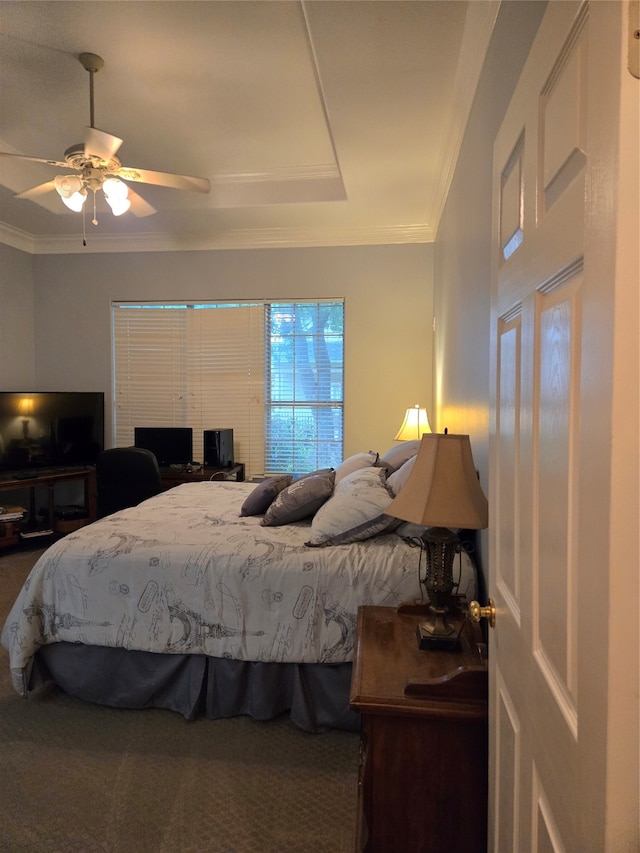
x,y
355,463
315,473
263,495
398,479
397,456
355,511
299,500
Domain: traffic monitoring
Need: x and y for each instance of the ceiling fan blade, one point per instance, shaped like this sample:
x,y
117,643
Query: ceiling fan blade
x,y
57,163
164,179
99,143
34,192
139,207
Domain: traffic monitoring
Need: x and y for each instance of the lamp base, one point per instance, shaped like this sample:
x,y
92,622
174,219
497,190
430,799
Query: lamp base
x,y
427,641
436,632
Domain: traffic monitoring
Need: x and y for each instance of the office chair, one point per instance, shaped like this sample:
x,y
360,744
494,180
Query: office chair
x,y
125,476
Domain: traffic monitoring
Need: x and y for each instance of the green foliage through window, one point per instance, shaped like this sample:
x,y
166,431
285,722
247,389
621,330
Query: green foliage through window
x,y
304,412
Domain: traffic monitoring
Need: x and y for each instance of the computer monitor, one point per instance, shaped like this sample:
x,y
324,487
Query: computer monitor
x,y
171,445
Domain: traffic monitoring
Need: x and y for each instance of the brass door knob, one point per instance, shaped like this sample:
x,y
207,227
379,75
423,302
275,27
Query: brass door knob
x,y
477,612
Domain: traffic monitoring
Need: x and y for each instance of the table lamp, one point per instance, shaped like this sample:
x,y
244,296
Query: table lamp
x,y
443,491
26,409
414,425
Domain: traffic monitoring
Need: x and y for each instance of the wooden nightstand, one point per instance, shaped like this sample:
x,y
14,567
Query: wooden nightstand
x,y
423,772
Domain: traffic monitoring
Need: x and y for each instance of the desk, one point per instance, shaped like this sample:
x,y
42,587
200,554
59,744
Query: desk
x,y
171,478
50,480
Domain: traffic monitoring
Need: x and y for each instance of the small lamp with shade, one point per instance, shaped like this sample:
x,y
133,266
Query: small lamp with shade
x,y
414,425
442,492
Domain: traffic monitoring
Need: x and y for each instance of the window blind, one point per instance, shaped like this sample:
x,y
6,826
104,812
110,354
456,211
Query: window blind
x,y
272,372
150,369
225,378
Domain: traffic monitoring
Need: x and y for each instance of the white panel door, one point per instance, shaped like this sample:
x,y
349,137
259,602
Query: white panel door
x,y
553,781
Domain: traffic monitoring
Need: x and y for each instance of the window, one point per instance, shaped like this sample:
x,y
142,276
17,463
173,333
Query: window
x,y
271,371
305,386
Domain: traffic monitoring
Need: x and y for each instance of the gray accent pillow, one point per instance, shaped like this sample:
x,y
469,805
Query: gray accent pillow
x,y
261,498
356,510
319,471
299,500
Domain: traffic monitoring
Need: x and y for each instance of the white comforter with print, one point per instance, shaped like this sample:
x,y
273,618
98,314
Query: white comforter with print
x,y
183,573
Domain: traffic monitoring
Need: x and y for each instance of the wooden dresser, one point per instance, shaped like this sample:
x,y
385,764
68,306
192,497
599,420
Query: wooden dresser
x,y
423,771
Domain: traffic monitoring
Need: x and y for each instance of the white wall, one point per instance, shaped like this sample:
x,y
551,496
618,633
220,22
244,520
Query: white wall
x,y
17,365
462,262
388,308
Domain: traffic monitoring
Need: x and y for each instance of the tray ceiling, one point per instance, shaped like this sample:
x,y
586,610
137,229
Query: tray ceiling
x,y
317,123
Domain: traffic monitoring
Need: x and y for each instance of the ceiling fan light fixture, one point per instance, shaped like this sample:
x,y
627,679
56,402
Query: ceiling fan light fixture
x,y
115,189
67,185
116,194
119,206
97,167
76,200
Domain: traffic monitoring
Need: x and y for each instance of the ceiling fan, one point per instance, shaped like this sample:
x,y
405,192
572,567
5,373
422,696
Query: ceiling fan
x,y
95,167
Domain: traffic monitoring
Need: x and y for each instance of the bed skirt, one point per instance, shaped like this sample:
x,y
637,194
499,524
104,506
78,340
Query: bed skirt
x,y
316,696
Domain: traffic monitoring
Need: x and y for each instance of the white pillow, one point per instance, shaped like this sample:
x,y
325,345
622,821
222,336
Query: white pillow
x,y
399,478
397,456
355,511
355,463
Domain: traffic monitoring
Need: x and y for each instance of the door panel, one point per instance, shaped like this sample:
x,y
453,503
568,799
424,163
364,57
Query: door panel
x,y
542,320
557,367
507,500
508,759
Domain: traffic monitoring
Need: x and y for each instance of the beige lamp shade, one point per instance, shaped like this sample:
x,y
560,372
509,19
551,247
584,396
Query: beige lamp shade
x,y
443,489
25,406
414,425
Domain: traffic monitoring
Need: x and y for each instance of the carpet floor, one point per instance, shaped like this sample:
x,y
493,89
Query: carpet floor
x,y
80,777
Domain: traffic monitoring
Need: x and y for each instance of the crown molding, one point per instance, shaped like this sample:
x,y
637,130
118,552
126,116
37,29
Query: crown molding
x,y
18,239
239,239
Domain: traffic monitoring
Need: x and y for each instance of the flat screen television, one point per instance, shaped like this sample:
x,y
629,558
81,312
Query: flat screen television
x,y
171,445
50,429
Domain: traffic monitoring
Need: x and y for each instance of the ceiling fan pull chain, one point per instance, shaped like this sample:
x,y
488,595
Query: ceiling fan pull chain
x,y
94,220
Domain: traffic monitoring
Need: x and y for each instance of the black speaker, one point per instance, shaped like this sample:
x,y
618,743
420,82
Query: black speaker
x,y
218,448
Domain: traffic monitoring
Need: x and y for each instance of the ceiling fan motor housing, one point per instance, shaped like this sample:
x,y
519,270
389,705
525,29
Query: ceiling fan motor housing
x,y
78,159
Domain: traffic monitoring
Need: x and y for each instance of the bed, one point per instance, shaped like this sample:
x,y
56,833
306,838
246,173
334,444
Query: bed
x,y
215,599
